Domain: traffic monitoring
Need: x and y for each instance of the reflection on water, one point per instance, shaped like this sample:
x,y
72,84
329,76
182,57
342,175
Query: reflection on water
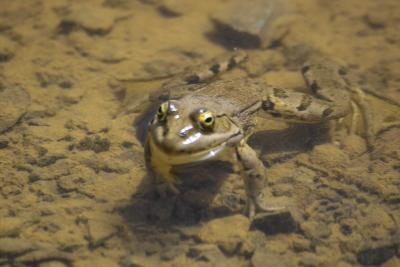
x,y
74,188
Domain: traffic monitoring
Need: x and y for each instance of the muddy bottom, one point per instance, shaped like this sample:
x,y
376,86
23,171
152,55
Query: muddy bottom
x,y
74,189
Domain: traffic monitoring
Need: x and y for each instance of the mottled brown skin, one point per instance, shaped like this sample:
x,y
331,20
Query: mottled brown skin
x,y
177,135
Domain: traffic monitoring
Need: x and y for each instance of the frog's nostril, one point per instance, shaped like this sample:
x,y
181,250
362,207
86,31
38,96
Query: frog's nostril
x,y
184,131
165,131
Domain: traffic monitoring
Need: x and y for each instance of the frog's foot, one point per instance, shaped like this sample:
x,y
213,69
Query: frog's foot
x,y
251,208
255,206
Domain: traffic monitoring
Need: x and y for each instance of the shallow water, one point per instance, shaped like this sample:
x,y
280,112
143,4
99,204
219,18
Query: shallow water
x,y
74,189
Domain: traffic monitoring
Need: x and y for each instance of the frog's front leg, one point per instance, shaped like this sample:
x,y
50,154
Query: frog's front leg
x,y
254,174
164,178
166,182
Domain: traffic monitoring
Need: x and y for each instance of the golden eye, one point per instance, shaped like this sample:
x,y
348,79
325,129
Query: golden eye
x,y
206,120
162,112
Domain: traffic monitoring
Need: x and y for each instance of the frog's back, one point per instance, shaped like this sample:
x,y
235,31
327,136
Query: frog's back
x,y
232,97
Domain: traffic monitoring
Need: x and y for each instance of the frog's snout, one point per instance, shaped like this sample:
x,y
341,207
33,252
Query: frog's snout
x,y
183,133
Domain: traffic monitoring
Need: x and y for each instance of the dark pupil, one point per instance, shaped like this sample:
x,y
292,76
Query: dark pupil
x,y
208,120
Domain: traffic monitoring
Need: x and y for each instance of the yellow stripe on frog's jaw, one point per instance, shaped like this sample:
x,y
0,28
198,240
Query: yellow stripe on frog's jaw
x,y
188,157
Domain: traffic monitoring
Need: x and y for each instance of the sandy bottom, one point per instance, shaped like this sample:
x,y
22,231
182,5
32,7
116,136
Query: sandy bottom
x,y
74,189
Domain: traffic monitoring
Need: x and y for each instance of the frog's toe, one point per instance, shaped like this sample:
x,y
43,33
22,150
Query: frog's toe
x,y
254,207
270,208
261,207
251,208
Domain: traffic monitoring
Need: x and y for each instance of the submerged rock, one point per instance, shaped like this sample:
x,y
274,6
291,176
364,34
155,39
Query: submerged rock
x,y
91,19
10,226
206,252
247,24
99,233
15,246
7,49
3,142
275,223
14,103
376,255
44,255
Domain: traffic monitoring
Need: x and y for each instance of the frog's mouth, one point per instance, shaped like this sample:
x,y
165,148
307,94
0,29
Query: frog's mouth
x,y
160,155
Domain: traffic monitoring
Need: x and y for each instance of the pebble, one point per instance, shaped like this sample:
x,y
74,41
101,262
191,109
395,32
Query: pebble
x,y
377,254
274,223
100,232
393,262
14,103
354,145
245,29
315,230
208,252
329,156
45,254
229,233
92,19
7,49
10,226
3,142
262,258
52,264
15,246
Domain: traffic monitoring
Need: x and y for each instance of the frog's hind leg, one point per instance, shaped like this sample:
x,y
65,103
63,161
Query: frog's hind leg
x,y
297,107
209,70
362,107
328,82
330,96
254,173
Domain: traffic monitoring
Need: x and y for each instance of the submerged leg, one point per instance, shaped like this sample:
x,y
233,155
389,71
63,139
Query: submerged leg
x,y
330,98
254,174
206,71
333,97
354,118
298,107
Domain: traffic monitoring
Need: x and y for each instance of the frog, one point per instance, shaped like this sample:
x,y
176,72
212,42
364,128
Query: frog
x,y
197,118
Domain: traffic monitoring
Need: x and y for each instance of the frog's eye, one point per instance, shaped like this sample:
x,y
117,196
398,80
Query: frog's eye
x,y
206,120
162,112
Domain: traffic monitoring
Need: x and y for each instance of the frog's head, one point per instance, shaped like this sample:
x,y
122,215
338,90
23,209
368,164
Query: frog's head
x,y
188,130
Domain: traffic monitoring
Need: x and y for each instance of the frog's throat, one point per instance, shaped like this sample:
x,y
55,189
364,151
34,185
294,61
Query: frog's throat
x,y
161,159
